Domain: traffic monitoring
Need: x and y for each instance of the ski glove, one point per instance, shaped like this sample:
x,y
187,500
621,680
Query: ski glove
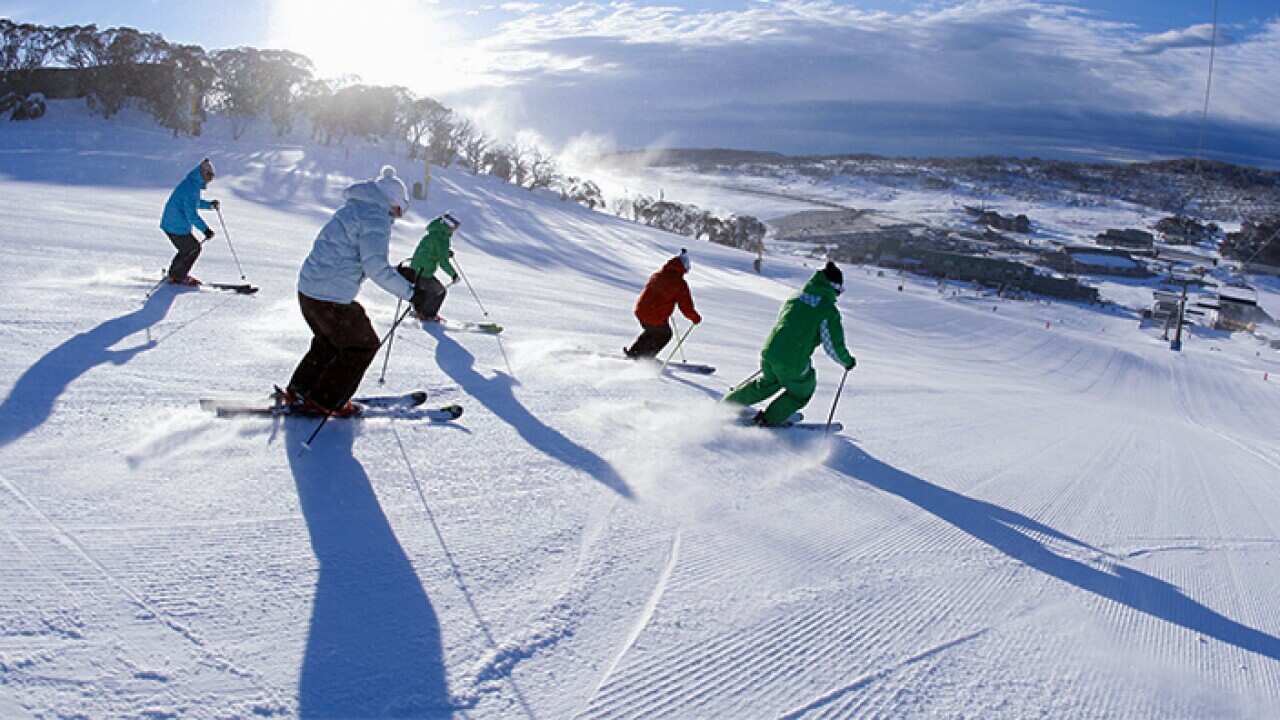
x,y
451,253
215,204
454,281
208,233
853,363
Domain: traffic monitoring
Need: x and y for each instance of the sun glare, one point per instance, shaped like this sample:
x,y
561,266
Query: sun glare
x,y
390,42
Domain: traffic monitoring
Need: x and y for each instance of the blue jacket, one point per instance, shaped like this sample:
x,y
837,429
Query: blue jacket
x,y
180,212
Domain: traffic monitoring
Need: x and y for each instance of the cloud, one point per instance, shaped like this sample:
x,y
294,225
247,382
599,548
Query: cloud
x,y
636,72
1196,36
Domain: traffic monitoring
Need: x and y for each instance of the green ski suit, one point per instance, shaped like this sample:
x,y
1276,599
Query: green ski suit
x,y
807,320
433,251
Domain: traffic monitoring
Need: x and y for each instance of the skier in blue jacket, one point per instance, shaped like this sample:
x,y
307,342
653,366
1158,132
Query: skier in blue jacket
x,y
180,217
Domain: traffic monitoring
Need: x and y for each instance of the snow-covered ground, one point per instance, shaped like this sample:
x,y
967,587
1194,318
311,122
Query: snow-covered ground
x,y
1034,509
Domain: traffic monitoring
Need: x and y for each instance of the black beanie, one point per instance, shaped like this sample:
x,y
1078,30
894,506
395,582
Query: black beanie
x,y
833,274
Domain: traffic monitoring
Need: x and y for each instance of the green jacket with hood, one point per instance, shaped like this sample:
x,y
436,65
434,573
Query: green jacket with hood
x,y
433,251
807,320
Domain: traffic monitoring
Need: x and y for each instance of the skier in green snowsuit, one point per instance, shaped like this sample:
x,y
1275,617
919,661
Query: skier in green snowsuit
x,y
433,253
807,320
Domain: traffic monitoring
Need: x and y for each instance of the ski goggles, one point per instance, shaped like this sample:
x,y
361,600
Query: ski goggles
x,y
451,221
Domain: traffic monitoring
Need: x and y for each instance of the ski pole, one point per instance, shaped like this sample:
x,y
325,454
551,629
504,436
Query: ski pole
x,y
835,400
677,347
307,444
469,287
155,287
676,326
227,235
386,357
750,377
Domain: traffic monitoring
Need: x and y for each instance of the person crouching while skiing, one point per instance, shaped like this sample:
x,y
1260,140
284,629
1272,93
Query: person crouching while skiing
x,y
665,290
351,246
433,252
807,320
180,217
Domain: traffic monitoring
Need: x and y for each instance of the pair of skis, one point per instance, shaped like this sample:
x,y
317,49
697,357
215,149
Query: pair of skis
x,y
796,422
487,328
695,368
241,288
406,407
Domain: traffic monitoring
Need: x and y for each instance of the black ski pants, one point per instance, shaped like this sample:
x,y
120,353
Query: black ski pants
x,y
343,345
651,341
435,292
188,250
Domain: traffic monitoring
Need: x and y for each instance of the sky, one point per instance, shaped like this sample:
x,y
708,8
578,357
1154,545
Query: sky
x,y
1083,78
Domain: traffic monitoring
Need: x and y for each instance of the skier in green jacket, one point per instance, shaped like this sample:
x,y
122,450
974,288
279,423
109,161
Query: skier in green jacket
x,y
433,253
806,320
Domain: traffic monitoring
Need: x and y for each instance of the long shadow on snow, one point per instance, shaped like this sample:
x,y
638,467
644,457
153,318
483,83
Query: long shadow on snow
x,y
497,395
374,648
709,392
1006,531
138,165
31,400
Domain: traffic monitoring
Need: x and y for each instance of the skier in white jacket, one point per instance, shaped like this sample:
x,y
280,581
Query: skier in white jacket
x,y
353,245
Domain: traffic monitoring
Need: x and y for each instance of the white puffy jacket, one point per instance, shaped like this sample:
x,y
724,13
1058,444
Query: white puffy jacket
x,y
351,246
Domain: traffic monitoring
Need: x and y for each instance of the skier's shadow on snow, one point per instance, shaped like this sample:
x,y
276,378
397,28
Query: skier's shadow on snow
x,y
497,395
709,392
1010,533
32,398
374,647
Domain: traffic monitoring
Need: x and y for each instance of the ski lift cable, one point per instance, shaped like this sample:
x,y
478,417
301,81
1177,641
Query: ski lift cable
x,y
1197,186
1245,265
1204,116
1208,90
1204,121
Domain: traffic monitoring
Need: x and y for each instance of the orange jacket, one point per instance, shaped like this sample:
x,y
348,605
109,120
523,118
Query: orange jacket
x,y
666,289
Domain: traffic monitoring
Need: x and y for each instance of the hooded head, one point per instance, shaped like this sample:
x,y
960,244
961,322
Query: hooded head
x,y
834,276
393,188
679,264
205,169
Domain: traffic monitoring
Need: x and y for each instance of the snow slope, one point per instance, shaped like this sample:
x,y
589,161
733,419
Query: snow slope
x,y
1034,510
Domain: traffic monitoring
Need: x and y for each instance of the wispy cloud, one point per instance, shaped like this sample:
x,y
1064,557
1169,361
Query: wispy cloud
x,y
592,65
1196,36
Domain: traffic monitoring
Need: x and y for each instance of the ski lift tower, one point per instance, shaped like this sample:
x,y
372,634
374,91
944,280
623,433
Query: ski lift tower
x,y
1176,344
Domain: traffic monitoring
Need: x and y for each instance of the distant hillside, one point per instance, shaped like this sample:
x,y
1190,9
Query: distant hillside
x,y
695,156
1214,189
668,157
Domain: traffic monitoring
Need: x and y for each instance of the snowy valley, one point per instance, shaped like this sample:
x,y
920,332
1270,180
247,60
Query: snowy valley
x,y
1034,508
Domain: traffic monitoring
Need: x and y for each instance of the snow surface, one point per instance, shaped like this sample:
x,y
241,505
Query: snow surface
x,y
1034,510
